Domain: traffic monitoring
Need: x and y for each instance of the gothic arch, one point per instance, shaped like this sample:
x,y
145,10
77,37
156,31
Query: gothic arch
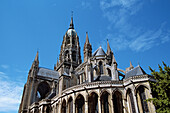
x,y
104,90
105,105
63,106
80,104
119,92
43,90
139,85
100,67
93,103
78,95
70,104
109,72
130,101
117,102
141,97
93,91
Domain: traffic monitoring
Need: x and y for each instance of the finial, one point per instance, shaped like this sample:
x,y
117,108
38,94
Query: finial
x,y
71,23
36,57
72,14
87,38
108,48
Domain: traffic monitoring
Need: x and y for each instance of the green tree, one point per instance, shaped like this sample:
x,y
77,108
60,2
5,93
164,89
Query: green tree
x,y
161,89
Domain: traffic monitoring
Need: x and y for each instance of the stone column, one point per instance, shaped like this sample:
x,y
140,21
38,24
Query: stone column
x,y
74,105
86,104
135,102
80,79
124,105
59,107
99,105
89,73
41,109
112,106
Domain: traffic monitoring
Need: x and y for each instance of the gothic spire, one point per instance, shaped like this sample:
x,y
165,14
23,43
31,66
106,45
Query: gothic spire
x,y
108,48
36,57
71,23
87,39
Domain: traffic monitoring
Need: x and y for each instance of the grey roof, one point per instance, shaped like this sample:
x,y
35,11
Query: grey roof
x,y
103,78
48,73
135,72
99,52
65,74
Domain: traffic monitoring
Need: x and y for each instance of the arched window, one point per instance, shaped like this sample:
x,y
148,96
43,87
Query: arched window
x,y
142,97
74,56
80,108
93,103
73,41
109,72
131,101
42,90
63,109
117,102
100,67
105,102
70,105
68,40
67,55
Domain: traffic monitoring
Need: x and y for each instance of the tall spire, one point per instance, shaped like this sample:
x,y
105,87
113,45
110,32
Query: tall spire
x,y
36,57
87,38
108,48
71,23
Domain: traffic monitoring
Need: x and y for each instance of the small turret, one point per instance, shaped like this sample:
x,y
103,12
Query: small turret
x,y
87,49
35,65
109,51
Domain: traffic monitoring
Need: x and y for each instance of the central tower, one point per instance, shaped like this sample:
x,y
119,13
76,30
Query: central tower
x,y
70,56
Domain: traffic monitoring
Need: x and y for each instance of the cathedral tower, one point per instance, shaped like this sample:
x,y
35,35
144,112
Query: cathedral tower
x,y
70,56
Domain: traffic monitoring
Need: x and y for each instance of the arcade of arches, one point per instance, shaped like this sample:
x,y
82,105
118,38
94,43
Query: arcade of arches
x,y
104,103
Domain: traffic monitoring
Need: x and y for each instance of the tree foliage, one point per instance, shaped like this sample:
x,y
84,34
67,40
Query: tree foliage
x,y
161,89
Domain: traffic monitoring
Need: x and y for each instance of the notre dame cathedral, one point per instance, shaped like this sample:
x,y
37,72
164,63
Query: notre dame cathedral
x,y
95,85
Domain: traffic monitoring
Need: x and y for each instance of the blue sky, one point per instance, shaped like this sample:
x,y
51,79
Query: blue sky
x,y
137,30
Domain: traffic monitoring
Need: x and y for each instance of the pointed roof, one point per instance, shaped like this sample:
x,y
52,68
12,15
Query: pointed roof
x,y
87,39
36,57
113,59
135,72
99,52
71,23
108,48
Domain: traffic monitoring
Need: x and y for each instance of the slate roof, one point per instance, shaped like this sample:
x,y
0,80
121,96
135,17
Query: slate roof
x,y
99,52
48,73
135,72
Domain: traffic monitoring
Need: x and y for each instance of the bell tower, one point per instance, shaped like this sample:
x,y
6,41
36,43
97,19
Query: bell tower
x,y
69,57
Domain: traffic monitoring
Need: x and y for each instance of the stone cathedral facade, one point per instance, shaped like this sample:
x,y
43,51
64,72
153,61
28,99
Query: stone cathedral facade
x,y
91,86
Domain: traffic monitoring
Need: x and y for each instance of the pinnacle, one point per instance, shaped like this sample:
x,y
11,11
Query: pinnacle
x,y
36,57
87,38
108,47
71,24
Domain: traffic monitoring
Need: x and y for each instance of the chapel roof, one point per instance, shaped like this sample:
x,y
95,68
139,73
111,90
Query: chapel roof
x,y
135,72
